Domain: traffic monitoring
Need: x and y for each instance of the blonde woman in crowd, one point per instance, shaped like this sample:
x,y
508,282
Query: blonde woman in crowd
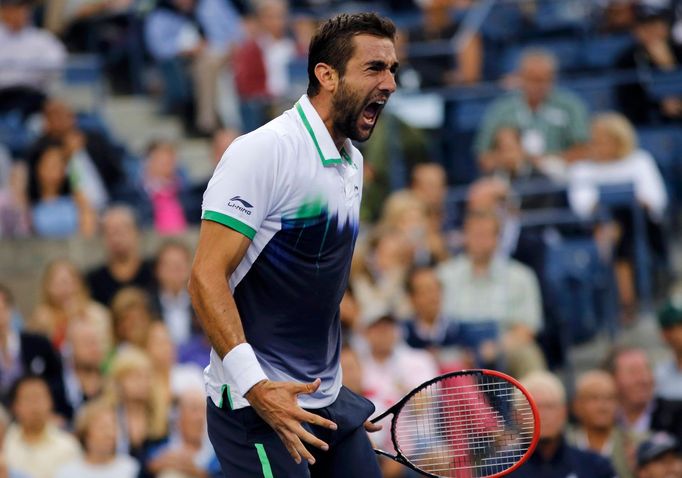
x,y
142,418
96,430
615,159
64,298
132,315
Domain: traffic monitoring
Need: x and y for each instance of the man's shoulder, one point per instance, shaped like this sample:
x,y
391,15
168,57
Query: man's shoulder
x,y
279,136
588,460
565,99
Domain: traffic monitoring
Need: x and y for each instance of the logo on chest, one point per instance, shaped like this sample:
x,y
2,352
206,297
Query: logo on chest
x,y
240,205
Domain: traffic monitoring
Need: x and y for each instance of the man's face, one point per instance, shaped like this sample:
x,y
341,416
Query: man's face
x,y
537,79
15,17
668,465
595,403
430,184
173,269
364,89
426,294
120,234
634,378
59,118
552,412
480,238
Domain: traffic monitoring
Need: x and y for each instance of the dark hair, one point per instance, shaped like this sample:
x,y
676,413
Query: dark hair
x,y
610,362
412,273
333,42
24,379
6,294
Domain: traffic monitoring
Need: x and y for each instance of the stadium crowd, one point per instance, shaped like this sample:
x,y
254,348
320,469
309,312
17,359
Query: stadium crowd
x,y
540,213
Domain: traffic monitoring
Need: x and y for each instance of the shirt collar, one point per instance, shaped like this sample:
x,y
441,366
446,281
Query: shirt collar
x,y
322,140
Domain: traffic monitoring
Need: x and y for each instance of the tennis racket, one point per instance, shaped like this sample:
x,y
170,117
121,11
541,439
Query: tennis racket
x,y
465,424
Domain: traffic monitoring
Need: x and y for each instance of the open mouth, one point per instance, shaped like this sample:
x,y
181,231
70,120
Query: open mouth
x,y
372,110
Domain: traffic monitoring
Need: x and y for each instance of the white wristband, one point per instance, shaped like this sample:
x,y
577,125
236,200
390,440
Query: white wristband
x,y
242,368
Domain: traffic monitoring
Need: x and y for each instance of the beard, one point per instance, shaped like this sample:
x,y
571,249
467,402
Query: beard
x,y
348,107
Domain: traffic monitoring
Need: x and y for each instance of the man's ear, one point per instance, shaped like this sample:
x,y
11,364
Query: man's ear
x,y
327,76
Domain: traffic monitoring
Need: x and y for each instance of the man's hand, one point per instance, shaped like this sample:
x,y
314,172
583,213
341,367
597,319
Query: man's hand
x,y
275,402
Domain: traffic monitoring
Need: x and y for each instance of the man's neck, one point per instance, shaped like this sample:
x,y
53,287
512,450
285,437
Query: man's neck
x,y
480,266
99,458
380,357
323,105
633,412
597,438
548,448
124,267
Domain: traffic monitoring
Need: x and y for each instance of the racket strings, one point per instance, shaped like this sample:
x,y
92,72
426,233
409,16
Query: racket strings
x,y
466,426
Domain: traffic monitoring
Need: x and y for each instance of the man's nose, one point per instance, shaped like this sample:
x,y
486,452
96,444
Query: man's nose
x,y
388,83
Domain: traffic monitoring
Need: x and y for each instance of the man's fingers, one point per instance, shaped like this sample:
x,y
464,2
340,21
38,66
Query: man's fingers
x,y
313,419
299,447
372,427
307,387
308,437
289,446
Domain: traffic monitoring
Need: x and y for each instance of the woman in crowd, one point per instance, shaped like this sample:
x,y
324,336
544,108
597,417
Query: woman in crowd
x,y
96,430
57,210
132,315
615,159
64,298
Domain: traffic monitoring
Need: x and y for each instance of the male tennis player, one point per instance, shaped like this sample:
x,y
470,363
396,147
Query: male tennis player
x,y
280,218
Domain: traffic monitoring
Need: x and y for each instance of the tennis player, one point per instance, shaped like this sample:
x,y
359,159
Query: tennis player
x,y
280,219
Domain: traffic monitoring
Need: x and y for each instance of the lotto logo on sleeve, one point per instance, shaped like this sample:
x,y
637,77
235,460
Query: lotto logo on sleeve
x,y
240,205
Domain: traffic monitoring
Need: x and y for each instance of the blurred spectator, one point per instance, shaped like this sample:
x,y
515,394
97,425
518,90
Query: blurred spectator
x,y
462,66
479,285
132,315
5,470
188,453
429,184
614,159
14,207
34,445
64,300
124,265
453,343
58,210
552,121
84,363
141,423
669,374
659,457
79,21
378,273
634,377
617,16
595,406
390,369
173,263
509,160
262,62
23,353
553,457
190,69
654,50
170,377
94,162
404,211
96,430
165,184
222,139
29,59
352,369
349,314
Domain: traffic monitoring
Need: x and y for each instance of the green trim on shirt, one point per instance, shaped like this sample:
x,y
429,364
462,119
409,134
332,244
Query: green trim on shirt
x,y
325,161
230,222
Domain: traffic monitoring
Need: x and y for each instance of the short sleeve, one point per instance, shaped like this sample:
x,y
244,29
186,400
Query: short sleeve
x,y
243,188
493,117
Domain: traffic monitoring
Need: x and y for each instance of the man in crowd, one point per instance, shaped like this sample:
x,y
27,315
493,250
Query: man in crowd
x,y
124,263
553,457
481,286
634,378
594,406
551,121
29,59
659,457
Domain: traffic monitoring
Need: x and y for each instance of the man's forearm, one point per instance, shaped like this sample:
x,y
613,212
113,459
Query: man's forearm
x,y
217,312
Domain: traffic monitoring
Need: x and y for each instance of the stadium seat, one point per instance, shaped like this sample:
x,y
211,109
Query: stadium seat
x,y
568,52
602,52
665,145
598,93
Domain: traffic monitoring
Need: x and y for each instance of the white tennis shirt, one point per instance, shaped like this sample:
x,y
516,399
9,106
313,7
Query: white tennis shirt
x,y
297,197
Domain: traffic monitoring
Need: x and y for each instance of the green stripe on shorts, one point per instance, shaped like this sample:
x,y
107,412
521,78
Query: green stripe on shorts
x,y
264,462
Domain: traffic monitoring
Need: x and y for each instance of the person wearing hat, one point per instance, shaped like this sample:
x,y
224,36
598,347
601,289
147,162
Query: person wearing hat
x,y
29,59
654,50
659,457
669,374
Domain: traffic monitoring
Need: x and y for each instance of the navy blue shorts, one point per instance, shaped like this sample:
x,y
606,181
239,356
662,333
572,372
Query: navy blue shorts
x,y
247,447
